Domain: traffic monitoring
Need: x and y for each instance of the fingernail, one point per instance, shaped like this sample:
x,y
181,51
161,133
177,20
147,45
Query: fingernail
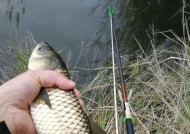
x,y
72,83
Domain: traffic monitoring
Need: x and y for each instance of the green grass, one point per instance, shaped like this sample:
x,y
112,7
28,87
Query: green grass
x,y
158,82
15,56
160,87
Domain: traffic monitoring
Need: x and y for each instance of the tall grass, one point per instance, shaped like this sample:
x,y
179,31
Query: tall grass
x,y
14,57
158,83
160,86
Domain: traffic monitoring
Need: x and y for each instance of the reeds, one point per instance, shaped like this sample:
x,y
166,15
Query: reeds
x,y
158,83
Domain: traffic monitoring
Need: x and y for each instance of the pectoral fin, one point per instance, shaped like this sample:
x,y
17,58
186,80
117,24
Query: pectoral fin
x,y
43,96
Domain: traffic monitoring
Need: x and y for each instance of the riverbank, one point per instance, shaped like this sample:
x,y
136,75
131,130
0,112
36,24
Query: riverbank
x,y
157,83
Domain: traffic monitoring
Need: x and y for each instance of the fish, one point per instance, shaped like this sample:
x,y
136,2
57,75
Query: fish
x,y
55,111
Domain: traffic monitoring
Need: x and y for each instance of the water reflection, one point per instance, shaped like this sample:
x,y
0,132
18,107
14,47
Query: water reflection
x,y
62,23
135,18
14,10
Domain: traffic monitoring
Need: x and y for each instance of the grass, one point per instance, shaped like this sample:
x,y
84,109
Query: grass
x,y
160,86
158,82
15,57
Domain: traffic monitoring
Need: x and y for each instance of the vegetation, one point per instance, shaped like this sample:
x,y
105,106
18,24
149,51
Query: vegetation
x,y
15,57
157,82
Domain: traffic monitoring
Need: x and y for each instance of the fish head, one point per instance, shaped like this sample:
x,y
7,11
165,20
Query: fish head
x,y
44,57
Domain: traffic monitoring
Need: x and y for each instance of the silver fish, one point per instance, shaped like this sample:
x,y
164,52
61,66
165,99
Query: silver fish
x,y
57,111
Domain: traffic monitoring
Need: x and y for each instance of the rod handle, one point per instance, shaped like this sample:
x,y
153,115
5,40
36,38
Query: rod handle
x,y
129,126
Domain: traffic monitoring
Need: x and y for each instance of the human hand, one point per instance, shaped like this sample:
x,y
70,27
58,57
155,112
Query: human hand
x,y
17,94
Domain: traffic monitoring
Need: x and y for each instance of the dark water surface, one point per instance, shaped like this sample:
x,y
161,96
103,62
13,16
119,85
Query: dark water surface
x,y
139,21
67,23
62,23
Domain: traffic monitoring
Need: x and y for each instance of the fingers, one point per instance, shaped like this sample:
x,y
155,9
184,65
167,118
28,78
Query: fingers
x,y
79,97
46,80
26,86
77,93
81,102
49,78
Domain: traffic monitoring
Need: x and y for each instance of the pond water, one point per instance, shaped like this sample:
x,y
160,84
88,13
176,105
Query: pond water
x,y
67,23
62,23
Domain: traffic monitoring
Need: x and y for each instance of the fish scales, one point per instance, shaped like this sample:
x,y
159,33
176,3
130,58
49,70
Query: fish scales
x,y
63,113
55,111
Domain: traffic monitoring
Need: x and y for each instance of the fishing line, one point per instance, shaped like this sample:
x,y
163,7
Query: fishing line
x,y
114,80
110,12
127,118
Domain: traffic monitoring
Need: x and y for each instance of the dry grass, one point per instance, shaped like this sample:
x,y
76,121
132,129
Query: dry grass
x,y
159,83
14,57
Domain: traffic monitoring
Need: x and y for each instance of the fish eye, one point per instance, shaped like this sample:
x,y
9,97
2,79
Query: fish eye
x,y
43,48
40,49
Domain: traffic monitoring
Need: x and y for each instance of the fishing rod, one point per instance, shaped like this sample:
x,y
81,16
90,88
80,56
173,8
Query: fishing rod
x,y
128,118
114,79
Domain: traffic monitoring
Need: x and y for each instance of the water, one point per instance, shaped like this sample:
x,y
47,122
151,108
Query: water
x,y
66,23
141,20
62,23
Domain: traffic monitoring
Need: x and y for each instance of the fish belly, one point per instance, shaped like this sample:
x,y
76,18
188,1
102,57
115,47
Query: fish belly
x,y
65,116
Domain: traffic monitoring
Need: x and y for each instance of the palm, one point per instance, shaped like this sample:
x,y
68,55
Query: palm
x,y
20,120
17,95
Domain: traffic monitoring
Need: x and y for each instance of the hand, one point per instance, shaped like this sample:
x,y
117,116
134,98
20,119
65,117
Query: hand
x,y
17,95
